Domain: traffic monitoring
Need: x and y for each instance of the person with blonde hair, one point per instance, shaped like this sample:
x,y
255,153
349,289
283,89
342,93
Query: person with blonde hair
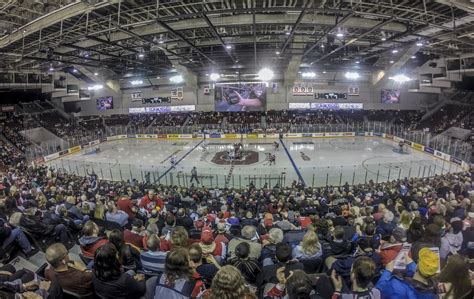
x,y
228,284
308,248
405,220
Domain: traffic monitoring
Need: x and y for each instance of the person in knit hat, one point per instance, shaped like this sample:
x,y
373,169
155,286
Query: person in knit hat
x,y
210,247
420,286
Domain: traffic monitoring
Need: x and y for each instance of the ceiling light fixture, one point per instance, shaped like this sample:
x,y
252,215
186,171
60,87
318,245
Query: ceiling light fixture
x,y
413,57
51,69
136,82
419,44
391,61
340,34
324,72
383,39
228,47
74,70
265,74
394,51
96,74
352,75
288,33
95,87
277,52
177,79
400,78
141,55
214,76
308,74
357,61
158,77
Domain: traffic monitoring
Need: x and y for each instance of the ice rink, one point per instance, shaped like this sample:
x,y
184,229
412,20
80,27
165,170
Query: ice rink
x,y
316,161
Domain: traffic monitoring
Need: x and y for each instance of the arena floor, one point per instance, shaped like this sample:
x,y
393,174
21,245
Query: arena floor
x,y
317,161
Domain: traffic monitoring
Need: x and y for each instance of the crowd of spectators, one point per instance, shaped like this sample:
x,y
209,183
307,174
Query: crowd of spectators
x,y
201,118
244,117
409,238
117,120
444,118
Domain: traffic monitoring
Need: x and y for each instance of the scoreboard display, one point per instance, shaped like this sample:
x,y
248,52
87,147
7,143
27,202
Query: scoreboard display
x,y
331,96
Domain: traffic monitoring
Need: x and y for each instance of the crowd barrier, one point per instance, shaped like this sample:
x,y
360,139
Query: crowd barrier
x,y
427,150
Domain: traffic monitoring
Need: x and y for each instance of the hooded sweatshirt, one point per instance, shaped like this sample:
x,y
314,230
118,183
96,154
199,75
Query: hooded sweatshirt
x,y
89,245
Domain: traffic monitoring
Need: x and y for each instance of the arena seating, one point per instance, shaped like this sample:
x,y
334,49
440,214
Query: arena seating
x,y
319,234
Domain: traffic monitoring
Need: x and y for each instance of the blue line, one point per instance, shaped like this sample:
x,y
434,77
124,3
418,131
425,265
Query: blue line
x,y
166,172
293,163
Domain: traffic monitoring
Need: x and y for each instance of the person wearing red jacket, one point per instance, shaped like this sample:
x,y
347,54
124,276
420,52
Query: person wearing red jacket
x,y
151,201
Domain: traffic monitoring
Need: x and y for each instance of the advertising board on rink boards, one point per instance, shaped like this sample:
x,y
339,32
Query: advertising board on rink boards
x,y
293,135
74,149
418,146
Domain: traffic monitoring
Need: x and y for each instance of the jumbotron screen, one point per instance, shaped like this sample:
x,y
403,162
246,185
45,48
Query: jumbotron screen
x,y
390,96
240,97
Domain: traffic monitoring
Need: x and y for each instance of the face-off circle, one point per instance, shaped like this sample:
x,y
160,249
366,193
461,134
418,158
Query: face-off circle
x,y
245,158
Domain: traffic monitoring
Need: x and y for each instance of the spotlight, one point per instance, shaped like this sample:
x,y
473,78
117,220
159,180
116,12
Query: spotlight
x,y
96,74
95,87
322,46
158,77
357,61
419,44
141,55
383,39
352,75
395,51
400,78
288,33
324,72
228,47
74,70
413,57
265,74
161,41
136,82
277,52
214,76
340,34
308,74
391,61
177,79
51,69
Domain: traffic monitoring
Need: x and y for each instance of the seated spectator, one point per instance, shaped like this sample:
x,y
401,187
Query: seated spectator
x,y
135,235
362,273
430,238
205,270
338,245
211,248
385,227
452,241
228,284
343,265
184,220
124,203
416,230
129,256
284,259
177,280
309,248
12,235
249,236
33,223
454,280
297,284
267,256
110,282
114,215
420,286
221,234
284,224
249,220
71,276
248,266
90,240
389,250
153,260
150,202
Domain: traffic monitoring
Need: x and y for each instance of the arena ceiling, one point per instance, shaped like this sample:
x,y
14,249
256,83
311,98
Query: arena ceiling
x,y
153,37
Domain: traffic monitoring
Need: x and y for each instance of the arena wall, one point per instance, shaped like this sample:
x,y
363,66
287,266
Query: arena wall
x,y
368,95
